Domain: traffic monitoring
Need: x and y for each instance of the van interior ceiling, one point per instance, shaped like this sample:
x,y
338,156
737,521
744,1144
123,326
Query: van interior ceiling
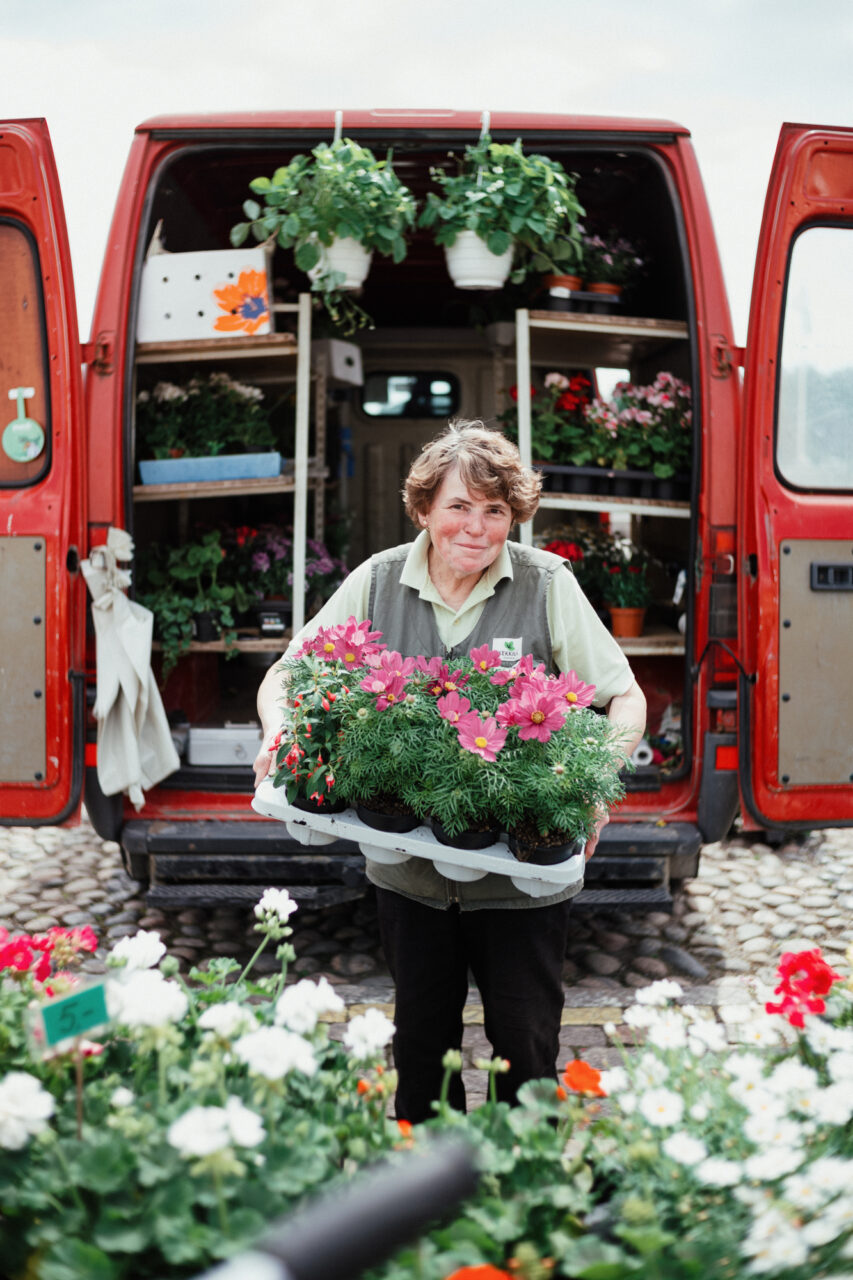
x,y
423,327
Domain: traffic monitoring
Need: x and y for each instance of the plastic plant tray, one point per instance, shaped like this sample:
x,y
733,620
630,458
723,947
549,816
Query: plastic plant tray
x,y
389,847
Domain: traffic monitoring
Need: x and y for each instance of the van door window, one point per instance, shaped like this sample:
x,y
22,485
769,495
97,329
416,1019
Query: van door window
x,y
24,425
410,395
814,429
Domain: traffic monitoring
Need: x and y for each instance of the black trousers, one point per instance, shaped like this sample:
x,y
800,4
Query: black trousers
x,y
516,959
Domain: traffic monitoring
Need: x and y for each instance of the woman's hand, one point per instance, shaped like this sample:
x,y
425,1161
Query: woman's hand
x,y
263,762
600,823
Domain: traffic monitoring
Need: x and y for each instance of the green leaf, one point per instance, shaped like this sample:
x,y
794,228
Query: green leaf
x,y
117,1235
499,242
252,209
260,185
291,226
73,1259
103,1166
238,234
307,256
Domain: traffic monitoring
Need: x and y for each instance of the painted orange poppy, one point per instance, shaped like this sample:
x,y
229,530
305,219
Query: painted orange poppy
x,y
244,303
582,1078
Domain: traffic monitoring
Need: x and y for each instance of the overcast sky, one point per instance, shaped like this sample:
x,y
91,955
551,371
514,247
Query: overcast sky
x,y
730,70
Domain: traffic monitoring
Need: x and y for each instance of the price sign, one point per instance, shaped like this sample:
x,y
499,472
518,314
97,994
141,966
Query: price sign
x,y
73,1015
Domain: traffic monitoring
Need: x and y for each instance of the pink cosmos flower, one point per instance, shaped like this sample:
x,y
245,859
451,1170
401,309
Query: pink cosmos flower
x,y
441,678
483,737
452,707
392,662
388,687
507,675
485,658
354,642
573,690
537,713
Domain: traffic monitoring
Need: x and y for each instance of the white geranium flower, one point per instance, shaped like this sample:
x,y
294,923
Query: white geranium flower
x,y
142,951
146,999
659,992
684,1148
649,1071
840,1066
276,902
662,1107
199,1132
668,1032
775,1162
25,1108
614,1081
368,1033
717,1172
299,1007
273,1052
245,1126
227,1019
834,1104
121,1097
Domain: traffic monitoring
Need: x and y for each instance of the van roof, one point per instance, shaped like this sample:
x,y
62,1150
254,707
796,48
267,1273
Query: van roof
x,y
414,118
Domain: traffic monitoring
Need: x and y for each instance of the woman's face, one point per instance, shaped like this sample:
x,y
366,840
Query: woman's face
x,y
467,530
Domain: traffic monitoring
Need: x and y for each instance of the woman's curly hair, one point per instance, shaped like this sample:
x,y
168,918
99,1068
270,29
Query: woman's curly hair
x,y
488,463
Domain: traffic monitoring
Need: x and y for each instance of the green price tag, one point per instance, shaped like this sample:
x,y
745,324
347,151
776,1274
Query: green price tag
x,y
75,1014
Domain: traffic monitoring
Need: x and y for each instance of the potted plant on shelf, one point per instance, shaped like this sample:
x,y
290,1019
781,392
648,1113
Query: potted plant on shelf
x,y
627,593
503,214
182,588
561,440
333,208
610,264
211,428
646,432
260,567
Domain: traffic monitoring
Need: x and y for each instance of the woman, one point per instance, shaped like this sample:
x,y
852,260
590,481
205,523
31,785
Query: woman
x,y
461,584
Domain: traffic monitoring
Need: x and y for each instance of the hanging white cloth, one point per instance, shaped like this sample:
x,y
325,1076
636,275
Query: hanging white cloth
x,y
135,748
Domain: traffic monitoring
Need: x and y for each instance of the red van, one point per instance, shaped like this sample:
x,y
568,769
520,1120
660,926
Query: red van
x,y
750,706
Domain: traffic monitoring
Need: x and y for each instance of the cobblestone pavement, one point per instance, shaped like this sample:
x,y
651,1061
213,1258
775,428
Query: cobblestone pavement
x,y
728,926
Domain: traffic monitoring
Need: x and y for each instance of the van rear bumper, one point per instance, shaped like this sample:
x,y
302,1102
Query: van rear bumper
x,y
209,863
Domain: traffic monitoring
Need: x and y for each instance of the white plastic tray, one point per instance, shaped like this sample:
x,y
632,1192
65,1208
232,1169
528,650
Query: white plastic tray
x,y
390,847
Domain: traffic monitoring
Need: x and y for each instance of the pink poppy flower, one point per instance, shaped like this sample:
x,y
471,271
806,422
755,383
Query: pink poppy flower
x,y
538,714
573,691
485,658
452,707
483,737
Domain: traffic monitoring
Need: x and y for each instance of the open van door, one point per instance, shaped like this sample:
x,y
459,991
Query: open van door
x,y
795,493
42,498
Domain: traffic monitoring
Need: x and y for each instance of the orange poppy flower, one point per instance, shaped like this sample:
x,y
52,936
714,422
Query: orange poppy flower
x,y
582,1078
244,303
483,1272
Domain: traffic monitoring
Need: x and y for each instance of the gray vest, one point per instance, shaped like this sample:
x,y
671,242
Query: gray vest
x,y
518,609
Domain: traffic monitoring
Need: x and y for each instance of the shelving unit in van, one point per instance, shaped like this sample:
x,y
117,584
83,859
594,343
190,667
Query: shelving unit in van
x,y
559,339
274,359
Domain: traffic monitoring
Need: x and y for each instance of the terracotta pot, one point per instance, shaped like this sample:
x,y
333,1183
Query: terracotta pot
x,y
572,283
605,288
626,622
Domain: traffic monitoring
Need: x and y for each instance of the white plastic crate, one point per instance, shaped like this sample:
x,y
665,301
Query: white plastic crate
x,y
215,293
228,744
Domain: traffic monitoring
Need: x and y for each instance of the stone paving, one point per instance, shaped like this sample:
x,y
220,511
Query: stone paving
x,y
726,931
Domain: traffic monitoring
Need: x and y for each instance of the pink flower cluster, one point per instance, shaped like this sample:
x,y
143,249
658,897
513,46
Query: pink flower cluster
x,y
351,643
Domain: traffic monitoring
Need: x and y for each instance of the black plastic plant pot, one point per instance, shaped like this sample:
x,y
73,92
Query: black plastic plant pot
x,y
312,806
394,822
545,855
206,627
466,839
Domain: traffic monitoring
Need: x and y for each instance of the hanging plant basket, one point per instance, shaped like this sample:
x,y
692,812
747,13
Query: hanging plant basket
x,y
348,256
472,265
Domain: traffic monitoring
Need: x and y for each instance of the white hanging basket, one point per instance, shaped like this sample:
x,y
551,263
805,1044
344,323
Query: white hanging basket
x,y
347,255
472,265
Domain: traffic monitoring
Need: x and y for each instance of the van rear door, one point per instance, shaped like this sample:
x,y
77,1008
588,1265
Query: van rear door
x,y
42,501
795,493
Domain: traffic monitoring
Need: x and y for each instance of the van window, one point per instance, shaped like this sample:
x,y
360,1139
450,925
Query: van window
x,y
24,427
410,395
814,429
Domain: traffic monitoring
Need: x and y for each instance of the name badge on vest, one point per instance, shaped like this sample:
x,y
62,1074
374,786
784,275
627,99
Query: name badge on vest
x,y
510,650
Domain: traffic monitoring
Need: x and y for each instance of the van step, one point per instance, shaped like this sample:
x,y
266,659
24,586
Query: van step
x,y
168,896
659,899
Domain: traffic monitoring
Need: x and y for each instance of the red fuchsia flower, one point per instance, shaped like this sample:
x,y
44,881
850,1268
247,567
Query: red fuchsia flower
x,y
452,707
483,737
804,978
485,658
537,713
580,1077
573,691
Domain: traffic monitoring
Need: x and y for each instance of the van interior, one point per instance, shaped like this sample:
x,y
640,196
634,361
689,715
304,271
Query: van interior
x,y
434,352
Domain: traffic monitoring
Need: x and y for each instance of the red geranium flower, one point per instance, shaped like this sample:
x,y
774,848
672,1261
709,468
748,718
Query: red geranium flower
x,y
580,1077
